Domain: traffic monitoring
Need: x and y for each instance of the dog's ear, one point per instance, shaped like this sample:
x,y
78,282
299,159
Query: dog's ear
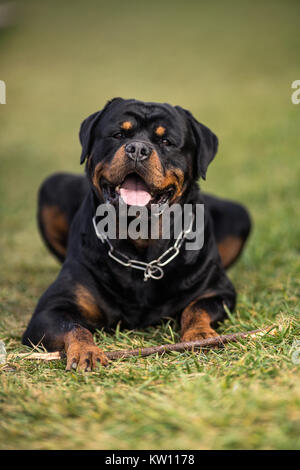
x,y
86,130
85,134
206,141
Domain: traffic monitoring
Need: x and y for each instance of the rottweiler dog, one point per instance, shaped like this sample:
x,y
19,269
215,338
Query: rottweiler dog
x,y
144,153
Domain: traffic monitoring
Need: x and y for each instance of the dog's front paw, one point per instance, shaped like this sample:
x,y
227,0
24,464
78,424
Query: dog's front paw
x,y
81,351
198,334
85,356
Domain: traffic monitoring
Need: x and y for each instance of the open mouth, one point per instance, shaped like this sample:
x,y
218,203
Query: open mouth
x,y
135,192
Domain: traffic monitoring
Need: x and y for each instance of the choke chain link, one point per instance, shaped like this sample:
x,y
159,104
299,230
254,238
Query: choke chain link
x,y
153,269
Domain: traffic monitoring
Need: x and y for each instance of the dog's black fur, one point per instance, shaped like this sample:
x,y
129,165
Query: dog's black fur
x,y
92,290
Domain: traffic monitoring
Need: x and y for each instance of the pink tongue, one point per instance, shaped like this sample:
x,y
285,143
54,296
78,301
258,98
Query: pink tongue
x,y
134,191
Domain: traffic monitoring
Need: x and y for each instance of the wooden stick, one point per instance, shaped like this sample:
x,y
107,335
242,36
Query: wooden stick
x,y
216,341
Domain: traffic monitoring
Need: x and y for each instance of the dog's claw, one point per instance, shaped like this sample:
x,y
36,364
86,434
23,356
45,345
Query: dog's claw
x,y
85,357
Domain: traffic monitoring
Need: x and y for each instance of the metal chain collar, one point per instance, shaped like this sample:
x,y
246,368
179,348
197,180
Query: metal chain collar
x,y
153,269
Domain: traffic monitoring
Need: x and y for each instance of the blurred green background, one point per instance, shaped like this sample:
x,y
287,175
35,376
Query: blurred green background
x,y
231,63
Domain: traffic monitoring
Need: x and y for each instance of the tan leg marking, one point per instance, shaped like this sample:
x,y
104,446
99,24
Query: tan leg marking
x,y
56,228
229,249
86,303
195,324
82,353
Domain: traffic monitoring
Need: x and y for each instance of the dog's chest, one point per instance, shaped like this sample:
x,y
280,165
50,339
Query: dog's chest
x,y
141,303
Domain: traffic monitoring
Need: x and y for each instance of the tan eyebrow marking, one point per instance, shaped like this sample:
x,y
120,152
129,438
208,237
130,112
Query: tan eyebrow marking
x,y
160,130
126,125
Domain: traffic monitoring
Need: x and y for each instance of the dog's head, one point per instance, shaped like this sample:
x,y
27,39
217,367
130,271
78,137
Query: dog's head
x,y
145,153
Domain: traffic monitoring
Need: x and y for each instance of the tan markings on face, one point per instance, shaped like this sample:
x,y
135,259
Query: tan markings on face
x,y
151,171
87,303
173,177
160,179
229,249
126,125
160,131
56,228
96,176
112,171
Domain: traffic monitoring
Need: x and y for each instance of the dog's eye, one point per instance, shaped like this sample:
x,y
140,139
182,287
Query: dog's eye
x,y
118,135
165,142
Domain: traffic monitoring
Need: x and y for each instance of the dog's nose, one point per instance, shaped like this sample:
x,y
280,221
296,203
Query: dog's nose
x,y
138,150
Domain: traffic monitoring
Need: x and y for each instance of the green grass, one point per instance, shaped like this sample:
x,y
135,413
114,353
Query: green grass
x,y
232,64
